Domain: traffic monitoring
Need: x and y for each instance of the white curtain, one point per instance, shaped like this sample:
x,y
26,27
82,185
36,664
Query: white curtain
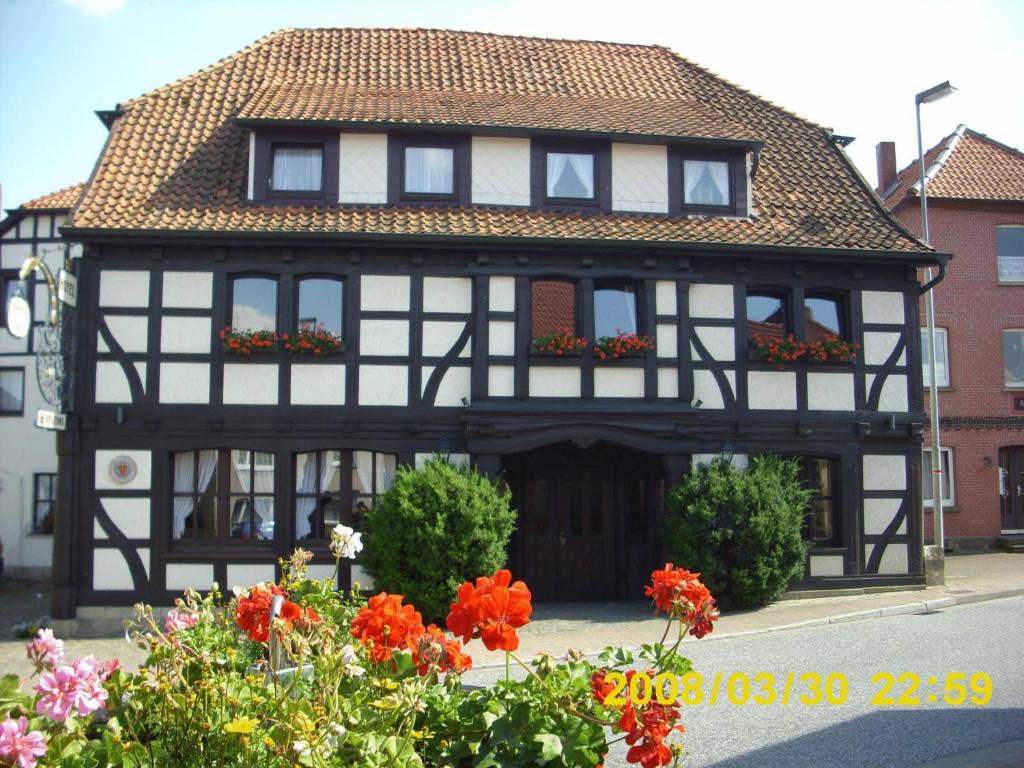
x,y
305,505
184,475
297,169
362,463
707,182
429,170
385,471
263,472
570,175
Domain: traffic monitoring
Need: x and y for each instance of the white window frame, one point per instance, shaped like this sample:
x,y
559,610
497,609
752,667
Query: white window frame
x,y
926,478
1009,384
999,274
942,343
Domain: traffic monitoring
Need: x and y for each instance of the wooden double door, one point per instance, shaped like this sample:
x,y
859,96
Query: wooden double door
x,y
1011,487
588,521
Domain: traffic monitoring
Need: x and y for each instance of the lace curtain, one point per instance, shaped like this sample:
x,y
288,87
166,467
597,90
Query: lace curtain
x,y
297,169
184,477
707,182
304,505
570,175
429,170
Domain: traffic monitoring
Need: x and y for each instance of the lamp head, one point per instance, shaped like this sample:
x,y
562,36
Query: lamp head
x,y
936,92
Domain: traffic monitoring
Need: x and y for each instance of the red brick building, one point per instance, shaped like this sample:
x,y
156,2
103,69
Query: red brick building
x,y
975,189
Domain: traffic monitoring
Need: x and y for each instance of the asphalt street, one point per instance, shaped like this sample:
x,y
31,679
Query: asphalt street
x,y
980,638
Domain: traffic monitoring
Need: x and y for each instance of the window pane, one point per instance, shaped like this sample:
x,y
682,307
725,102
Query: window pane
x,y
705,182
941,355
926,476
1010,252
330,472
11,390
430,170
766,316
297,169
570,175
320,302
362,472
554,307
614,309
254,304
384,472
821,318
1013,358
11,289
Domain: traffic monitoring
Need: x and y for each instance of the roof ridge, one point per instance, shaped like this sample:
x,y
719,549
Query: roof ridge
x,y
478,33
1000,145
932,171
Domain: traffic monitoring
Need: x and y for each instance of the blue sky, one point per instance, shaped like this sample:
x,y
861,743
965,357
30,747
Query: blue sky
x,y
854,67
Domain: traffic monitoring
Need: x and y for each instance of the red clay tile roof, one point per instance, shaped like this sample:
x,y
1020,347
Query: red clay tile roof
x,y
60,200
176,160
965,165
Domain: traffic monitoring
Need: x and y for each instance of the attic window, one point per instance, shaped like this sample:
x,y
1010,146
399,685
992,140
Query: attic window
x,y
429,171
570,176
297,168
706,183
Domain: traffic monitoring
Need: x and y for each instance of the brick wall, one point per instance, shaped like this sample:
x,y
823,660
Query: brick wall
x,y
974,309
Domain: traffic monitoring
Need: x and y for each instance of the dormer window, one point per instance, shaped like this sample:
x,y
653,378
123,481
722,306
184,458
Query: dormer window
x,y
570,176
297,168
428,171
706,183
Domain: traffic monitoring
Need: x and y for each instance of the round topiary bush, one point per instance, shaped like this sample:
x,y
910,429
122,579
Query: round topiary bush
x,y
740,528
434,529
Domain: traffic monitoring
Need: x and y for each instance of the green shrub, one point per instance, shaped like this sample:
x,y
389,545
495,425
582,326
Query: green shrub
x,y
740,528
434,529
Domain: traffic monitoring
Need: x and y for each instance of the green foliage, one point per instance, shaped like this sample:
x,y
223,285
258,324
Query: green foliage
x,y
434,529
740,528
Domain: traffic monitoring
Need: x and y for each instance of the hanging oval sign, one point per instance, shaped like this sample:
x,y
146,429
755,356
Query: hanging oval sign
x,y
19,317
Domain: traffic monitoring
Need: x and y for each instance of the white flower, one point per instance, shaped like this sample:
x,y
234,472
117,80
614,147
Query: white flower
x,y
338,735
300,747
350,662
345,542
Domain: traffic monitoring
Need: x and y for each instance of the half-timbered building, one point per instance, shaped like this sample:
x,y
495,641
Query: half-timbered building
x,y
436,201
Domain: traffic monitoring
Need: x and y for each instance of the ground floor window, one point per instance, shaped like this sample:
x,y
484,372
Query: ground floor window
x,y
44,502
321,488
947,477
223,495
820,475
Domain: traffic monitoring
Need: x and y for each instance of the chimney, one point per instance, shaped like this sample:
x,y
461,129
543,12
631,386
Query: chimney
x,y
885,158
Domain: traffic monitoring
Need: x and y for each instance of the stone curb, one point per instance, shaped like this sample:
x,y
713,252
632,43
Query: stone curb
x,y
893,610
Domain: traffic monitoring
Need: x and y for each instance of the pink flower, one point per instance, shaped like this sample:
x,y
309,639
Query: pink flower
x,y
77,687
45,650
17,742
177,620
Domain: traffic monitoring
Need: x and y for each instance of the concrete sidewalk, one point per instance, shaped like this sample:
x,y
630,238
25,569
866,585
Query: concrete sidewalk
x,y
590,627
1009,754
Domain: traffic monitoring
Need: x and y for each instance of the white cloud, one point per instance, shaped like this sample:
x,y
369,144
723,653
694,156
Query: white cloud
x,y
96,7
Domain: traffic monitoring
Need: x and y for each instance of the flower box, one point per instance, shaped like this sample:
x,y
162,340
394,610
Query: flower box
x,y
561,343
313,343
247,342
622,344
786,350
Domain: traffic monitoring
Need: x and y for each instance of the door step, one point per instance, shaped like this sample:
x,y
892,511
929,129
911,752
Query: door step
x,y
1013,543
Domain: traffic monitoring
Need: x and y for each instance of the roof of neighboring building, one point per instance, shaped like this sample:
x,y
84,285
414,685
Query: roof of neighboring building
x,y
62,199
177,158
965,165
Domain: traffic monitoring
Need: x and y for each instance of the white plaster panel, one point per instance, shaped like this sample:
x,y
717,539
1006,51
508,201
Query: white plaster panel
x,y
667,340
184,383
130,516
665,297
454,386
58,222
14,254
878,513
124,288
182,576
246,384
383,385
188,290
501,337
10,234
826,565
501,381
878,345
384,337
246,575
320,571
112,384
185,335
554,381
706,388
719,342
361,578
384,293
500,171
131,332
9,344
618,382
502,293
894,394
110,569
882,307
26,227
318,384
711,300
894,558
43,222
448,294
143,470
40,303
640,177
771,390
668,382
440,335
830,391
363,168
885,473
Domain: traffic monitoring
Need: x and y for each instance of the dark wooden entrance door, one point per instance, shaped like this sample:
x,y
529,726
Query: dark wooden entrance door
x,y
1011,487
586,521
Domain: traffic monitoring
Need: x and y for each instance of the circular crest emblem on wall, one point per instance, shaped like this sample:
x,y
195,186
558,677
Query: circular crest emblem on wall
x,y
123,469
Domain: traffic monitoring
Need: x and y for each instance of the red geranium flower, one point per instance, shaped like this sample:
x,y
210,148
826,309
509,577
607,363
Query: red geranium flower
x,y
253,612
385,623
435,649
492,610
680,593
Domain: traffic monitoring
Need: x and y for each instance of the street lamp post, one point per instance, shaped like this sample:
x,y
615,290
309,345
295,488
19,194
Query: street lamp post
x,y
934,93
